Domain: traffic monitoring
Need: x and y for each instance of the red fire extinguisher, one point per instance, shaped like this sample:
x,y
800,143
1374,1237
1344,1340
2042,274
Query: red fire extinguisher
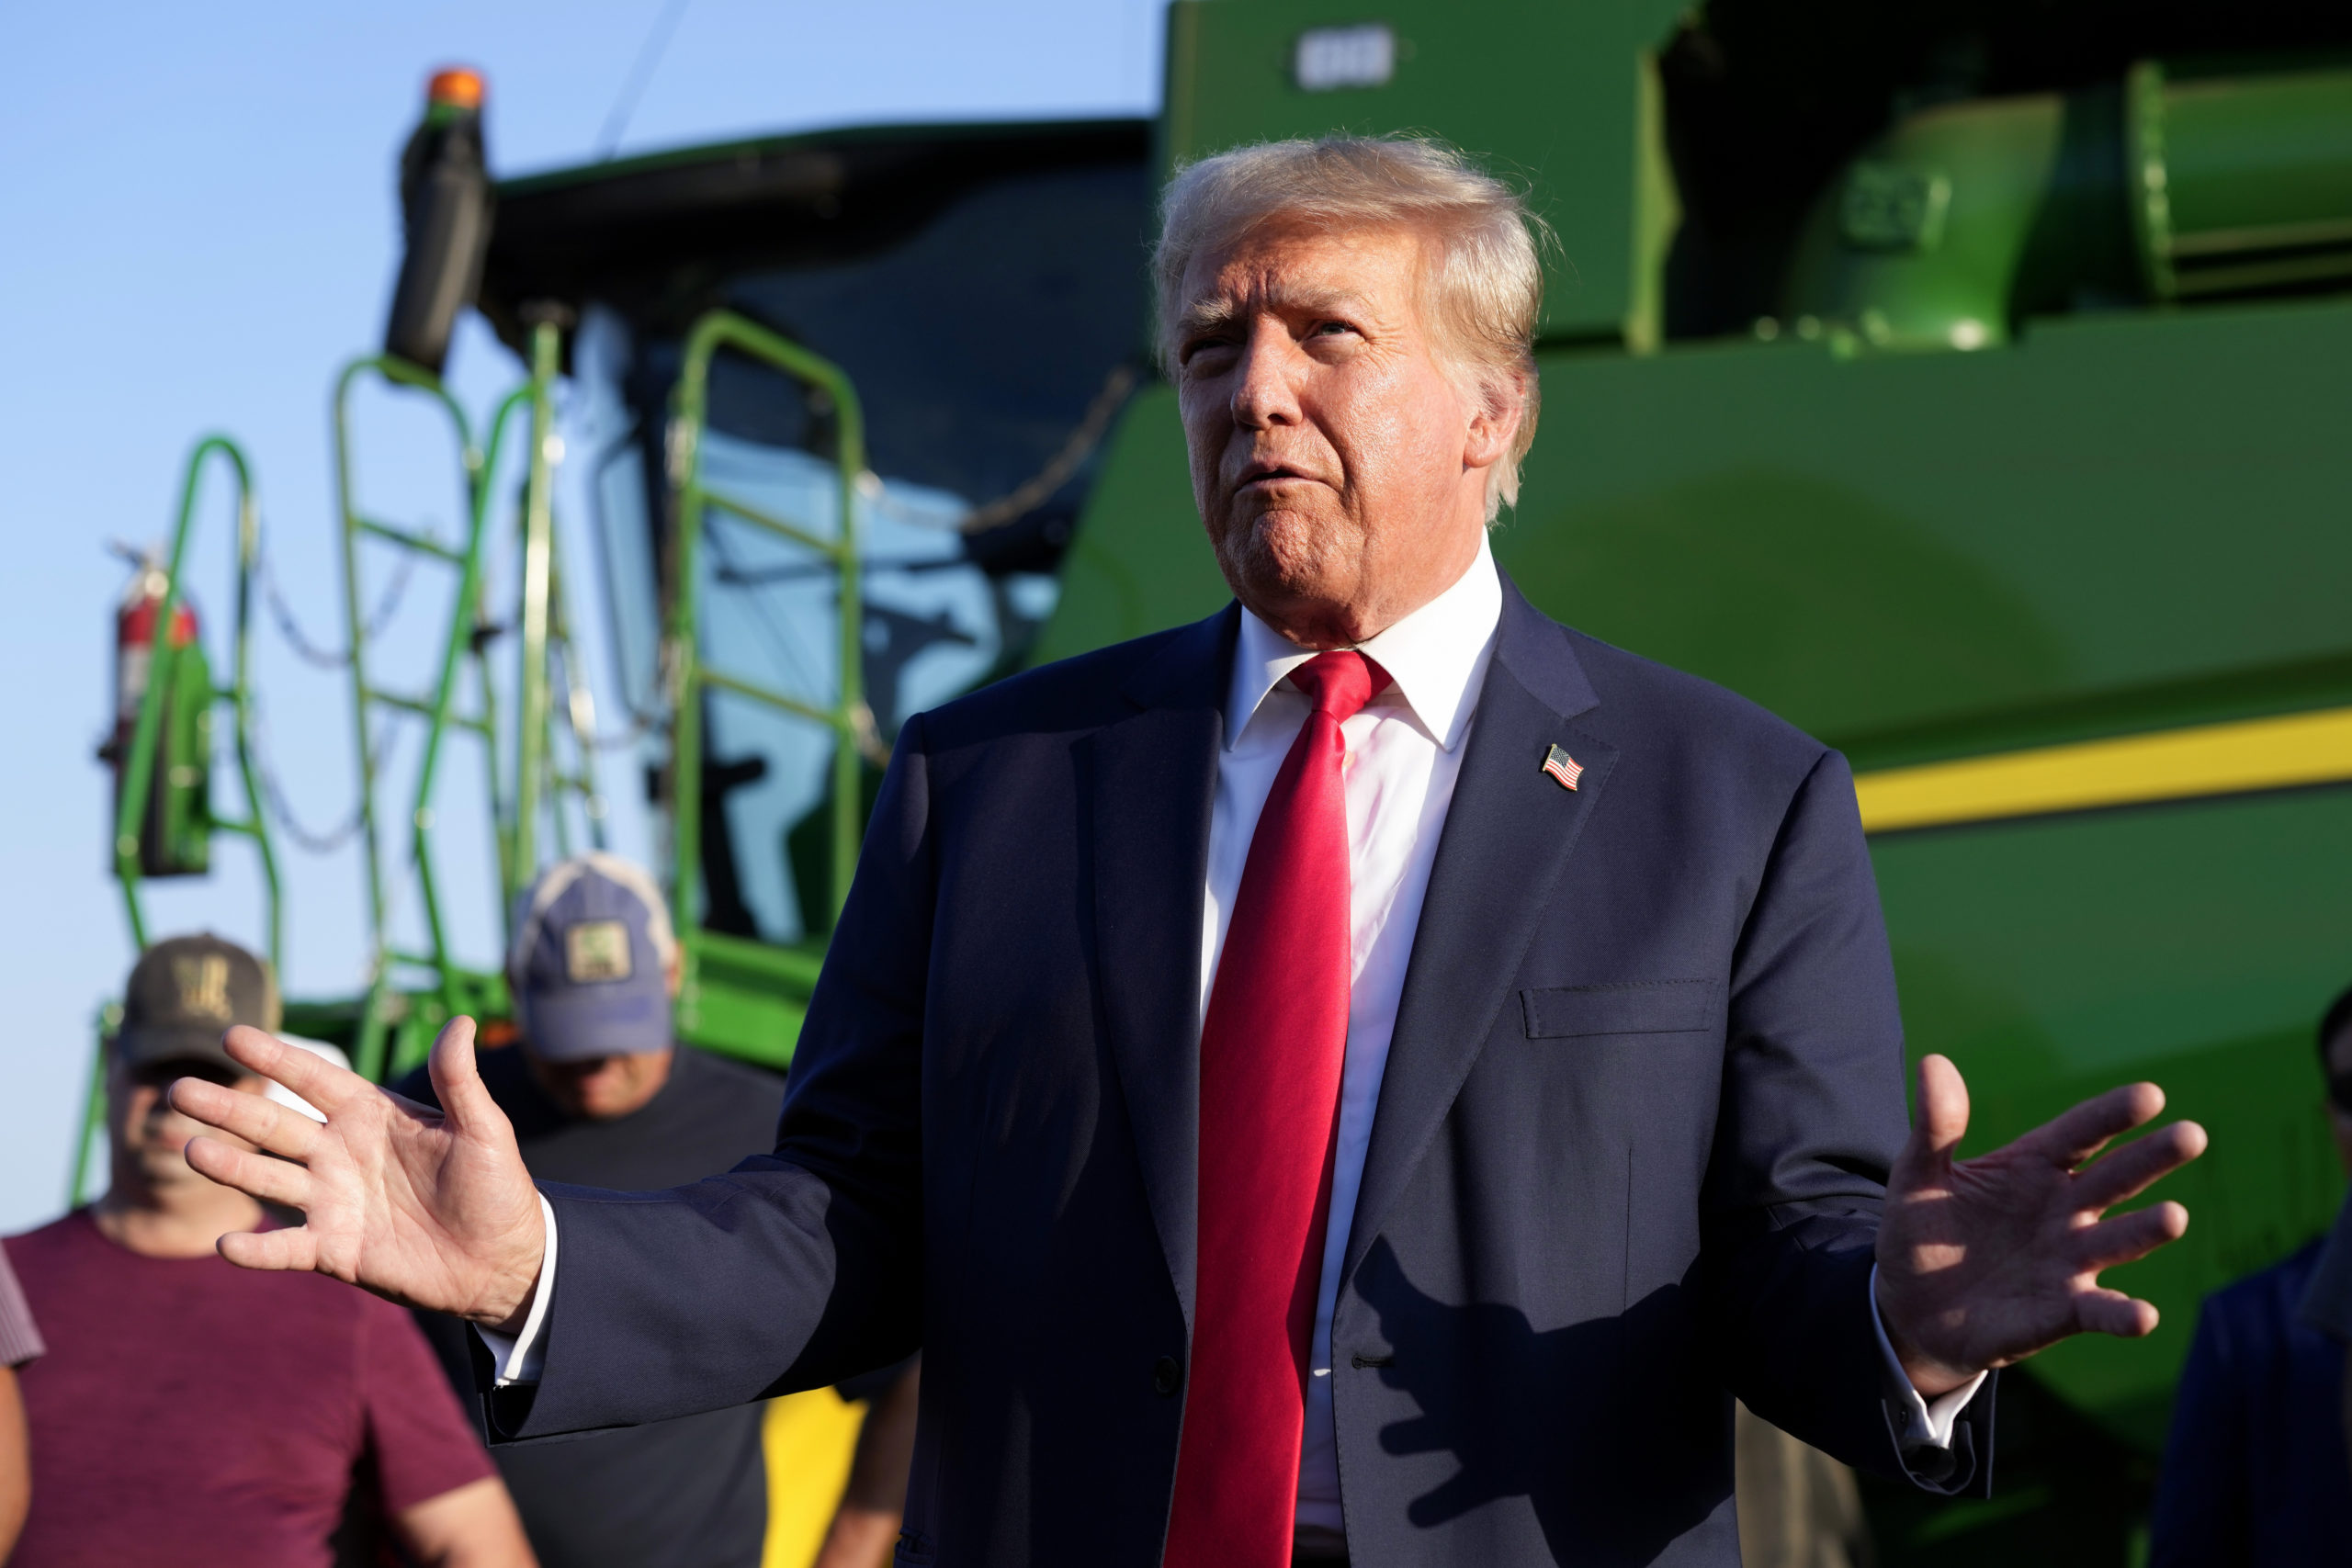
x,y
174,829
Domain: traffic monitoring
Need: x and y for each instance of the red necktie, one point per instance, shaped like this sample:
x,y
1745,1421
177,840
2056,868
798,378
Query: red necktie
x,y
1271,1047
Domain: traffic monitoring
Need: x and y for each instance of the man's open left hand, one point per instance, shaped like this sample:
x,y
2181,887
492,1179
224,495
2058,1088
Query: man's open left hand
x,y
433,1209
1983,1261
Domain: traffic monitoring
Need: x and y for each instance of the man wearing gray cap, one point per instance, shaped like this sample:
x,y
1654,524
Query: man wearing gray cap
x,y
601,1095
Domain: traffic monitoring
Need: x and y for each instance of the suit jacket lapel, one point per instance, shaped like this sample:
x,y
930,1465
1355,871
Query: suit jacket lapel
x,y
1501,856
1154,785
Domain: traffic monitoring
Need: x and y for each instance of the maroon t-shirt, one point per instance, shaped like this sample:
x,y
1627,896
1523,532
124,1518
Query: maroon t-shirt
x,y
189,1413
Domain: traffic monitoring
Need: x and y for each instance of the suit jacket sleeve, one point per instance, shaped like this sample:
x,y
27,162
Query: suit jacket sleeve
x,y
795,1270
1812,1115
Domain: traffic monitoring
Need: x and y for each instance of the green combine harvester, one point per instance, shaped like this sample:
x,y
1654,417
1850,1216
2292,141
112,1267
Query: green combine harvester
x,y
1968,384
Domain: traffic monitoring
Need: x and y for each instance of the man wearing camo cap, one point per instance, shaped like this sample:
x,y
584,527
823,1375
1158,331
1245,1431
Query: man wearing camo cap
x,y
188,1411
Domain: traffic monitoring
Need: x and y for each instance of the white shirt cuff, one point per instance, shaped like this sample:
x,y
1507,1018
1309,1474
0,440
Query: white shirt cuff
x,y
520,1356
1918,1422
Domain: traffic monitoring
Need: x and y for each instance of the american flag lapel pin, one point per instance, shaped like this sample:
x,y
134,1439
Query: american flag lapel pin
x,y
1564,768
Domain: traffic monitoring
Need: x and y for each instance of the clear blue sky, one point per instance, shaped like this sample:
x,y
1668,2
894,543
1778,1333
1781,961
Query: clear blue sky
x,y
201,228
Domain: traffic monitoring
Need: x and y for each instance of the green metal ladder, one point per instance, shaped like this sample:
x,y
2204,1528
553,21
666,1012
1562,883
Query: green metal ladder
x,y
396,1024
757,963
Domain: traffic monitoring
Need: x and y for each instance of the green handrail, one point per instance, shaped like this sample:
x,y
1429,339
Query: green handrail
x,y
139,761
514,808
542,622
464,614
849,718
539,568
369,1044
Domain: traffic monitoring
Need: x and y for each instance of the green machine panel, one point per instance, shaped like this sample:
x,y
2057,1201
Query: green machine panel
x,y
2123,522
1572,91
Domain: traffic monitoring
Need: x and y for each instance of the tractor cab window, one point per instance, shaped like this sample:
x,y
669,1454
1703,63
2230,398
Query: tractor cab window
x,y
990,345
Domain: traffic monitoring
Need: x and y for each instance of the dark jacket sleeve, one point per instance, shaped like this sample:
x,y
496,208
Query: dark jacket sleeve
x,y
1812,1117
2200,1519
796,1269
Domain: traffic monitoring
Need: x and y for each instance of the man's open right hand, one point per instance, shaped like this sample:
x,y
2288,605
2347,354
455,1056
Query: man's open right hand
x,y
430,1209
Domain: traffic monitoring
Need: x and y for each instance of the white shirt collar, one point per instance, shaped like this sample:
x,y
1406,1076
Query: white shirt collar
x,y
1436,656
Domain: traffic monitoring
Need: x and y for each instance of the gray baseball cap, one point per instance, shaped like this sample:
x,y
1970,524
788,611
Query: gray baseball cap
x,y
590,964
183,995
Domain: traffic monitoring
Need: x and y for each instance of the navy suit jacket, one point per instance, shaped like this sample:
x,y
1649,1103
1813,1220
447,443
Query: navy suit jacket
x,y
1629,1153
2256,1471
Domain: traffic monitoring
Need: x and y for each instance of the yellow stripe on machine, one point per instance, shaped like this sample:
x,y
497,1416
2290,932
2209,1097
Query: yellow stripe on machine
x,y
2173,764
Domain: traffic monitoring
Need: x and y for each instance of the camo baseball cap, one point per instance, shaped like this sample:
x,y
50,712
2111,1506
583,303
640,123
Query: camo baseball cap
x,y
590,964
183,995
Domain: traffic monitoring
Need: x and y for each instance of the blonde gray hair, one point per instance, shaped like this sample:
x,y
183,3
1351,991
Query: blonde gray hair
x,y
1480,299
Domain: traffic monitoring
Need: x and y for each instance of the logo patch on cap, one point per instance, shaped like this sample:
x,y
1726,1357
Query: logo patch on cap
x,y
596,950
203,985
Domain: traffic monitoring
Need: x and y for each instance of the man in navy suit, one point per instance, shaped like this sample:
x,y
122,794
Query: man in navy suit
x,y
1366,1076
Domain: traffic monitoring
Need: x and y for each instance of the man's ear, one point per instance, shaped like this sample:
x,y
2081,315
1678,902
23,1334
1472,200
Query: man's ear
x,y
1498,406
675,972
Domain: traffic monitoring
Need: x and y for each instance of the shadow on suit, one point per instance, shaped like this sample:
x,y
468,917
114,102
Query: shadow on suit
x,y
1571,1471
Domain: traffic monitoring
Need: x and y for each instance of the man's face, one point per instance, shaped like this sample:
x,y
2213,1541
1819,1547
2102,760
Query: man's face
x,y
599,1089
1340,472
150,1138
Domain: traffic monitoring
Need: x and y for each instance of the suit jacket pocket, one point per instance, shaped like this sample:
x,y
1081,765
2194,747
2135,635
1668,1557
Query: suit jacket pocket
x,y
1630,1007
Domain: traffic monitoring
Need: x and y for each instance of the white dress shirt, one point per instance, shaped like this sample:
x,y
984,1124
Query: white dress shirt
x,y
1404,755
